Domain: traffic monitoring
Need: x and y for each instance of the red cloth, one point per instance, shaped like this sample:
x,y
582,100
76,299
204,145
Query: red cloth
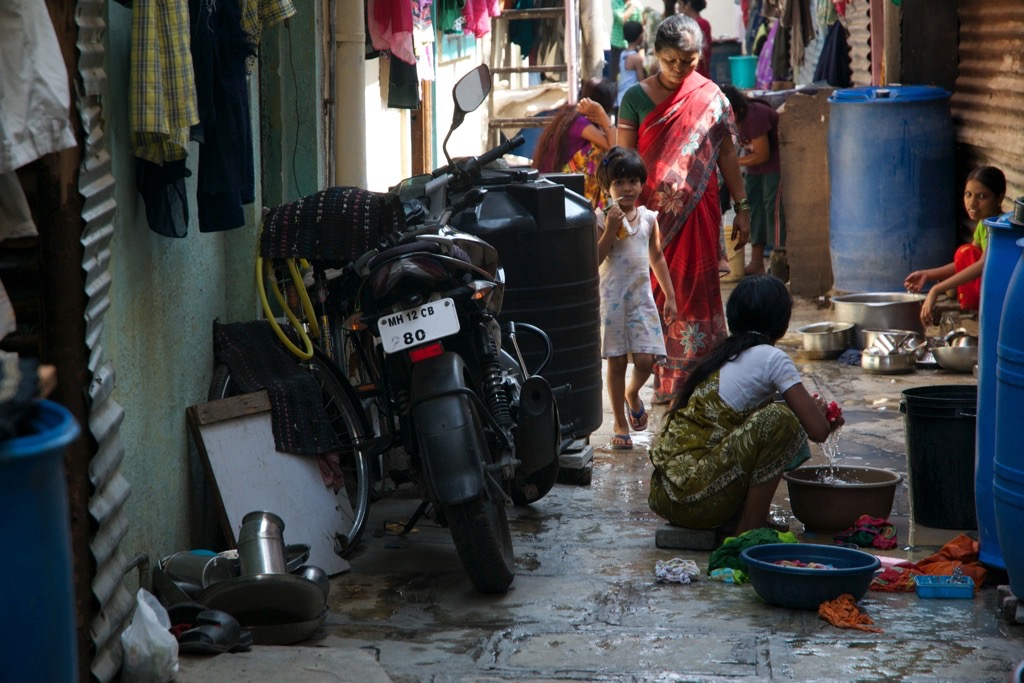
x,y
679,142
704,65
969,293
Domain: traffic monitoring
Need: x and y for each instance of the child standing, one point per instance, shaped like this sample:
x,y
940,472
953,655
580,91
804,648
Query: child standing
x,y
631,61
629,248
725,441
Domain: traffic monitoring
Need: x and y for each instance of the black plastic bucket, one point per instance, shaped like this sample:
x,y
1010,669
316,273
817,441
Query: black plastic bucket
x,y
940,424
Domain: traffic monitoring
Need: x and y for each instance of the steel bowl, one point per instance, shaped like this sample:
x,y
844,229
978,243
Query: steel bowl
x,y
956,358
879,311
826,340
875,360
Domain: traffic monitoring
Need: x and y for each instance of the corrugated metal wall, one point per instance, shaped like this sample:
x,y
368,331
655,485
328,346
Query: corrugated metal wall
x,y
858,23
110,488
989,95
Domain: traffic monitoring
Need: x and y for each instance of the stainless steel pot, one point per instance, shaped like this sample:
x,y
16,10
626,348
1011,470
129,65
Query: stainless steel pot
x,y
879,311
891,339
826,340
878,362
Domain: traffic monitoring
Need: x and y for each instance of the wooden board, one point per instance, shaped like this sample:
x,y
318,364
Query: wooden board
x,y
235,442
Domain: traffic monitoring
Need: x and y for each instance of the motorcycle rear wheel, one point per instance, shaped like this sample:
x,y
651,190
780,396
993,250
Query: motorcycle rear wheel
x,y
350,426
484,543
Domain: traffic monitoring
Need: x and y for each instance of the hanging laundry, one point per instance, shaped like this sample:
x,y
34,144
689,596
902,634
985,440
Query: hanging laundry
x,y
478,15
423,38
448,15
34,118
764,74
797,18
257,14
226,181
390,23
15,214
834,62
161,98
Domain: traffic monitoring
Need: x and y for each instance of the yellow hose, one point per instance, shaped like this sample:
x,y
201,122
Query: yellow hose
x,y
307,307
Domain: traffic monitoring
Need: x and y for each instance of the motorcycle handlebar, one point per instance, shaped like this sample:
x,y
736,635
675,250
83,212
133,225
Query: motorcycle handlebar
x,y
471,165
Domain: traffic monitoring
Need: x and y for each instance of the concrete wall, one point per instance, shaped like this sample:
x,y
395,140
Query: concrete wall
x,y
165,295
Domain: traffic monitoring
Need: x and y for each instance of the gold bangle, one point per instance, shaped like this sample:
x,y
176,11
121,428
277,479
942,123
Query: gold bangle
x,y
742,205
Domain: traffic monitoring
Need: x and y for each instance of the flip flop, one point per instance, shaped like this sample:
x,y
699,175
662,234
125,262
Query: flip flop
x,y
205,631
637,420
622,442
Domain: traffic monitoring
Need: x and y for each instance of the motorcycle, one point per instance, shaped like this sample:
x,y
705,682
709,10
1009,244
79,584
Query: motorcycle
x,y
417,358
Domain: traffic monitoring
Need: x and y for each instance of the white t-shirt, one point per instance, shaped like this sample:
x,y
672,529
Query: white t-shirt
x,y
755,376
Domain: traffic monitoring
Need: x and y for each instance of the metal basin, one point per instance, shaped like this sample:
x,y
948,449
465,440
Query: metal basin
x,y
879,311
826,340
956,358
875,360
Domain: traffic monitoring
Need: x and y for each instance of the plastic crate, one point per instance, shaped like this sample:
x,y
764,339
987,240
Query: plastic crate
x,y
943,587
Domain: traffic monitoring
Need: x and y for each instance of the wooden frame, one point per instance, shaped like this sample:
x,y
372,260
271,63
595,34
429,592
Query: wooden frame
x,y
246,472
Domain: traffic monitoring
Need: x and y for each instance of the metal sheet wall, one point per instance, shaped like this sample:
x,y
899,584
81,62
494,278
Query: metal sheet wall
x,y
989,95
110,488
858,23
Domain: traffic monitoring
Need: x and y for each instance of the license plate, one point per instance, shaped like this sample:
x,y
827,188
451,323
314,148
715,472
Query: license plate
x,y
415,326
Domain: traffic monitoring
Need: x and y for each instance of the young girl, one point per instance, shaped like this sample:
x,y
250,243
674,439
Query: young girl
x,y
983,198
629,248
725,442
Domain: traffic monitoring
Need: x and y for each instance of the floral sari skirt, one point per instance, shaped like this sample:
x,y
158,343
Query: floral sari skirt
x,y
708,455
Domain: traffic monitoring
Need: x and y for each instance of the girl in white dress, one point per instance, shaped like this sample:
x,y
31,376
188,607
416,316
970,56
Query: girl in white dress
x,y
629,249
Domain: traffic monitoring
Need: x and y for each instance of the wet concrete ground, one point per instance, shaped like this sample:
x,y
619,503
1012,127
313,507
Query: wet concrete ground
x,y
585,605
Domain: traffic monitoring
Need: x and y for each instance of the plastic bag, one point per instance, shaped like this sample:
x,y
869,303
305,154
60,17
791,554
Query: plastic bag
x,y
150,649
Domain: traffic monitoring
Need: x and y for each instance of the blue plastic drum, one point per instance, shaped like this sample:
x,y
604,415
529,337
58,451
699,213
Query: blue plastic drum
x,y
1008,469
1001,256
38,599
893,202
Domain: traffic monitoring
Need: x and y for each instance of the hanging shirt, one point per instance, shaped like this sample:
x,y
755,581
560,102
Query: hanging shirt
x,y
257,14
162,92
36,99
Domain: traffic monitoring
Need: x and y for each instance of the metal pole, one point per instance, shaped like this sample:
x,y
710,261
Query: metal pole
x,y
572,29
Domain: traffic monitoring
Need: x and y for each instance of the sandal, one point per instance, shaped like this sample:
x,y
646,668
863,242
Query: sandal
x,y
637,420
622,442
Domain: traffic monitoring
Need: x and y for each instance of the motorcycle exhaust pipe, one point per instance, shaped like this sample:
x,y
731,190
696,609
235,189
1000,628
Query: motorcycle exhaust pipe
x,y
538,428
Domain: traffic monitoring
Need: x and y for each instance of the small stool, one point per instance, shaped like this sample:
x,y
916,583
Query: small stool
x,y
681,538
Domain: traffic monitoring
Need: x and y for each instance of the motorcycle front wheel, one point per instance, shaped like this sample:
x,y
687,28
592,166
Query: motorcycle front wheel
x,y
350,426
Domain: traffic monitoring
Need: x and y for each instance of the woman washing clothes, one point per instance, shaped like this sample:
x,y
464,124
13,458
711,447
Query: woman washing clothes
x,y
725,441
680,123
983,198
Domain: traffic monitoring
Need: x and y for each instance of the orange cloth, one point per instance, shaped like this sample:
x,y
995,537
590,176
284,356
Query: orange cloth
x,y
843,612
961,552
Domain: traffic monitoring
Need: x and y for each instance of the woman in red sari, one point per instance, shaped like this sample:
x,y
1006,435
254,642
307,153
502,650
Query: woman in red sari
x,y
682,125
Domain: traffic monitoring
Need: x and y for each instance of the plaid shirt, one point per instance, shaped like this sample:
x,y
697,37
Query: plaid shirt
x,y
259,13
162,95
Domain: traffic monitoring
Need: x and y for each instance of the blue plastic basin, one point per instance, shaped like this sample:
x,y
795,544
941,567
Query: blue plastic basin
x,y
803,588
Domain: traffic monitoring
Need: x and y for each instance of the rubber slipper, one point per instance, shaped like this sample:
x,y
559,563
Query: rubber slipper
x,y
205,631
637,420
622,442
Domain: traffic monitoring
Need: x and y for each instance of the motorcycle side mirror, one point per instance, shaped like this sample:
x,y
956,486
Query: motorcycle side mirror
x,y
468,94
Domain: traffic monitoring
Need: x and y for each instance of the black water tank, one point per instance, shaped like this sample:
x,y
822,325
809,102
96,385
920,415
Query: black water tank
x,y
546,239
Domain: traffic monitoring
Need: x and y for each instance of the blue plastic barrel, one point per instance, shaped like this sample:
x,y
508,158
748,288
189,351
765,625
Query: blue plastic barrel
x,y
893,202
1001,256
1008,468
37,597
